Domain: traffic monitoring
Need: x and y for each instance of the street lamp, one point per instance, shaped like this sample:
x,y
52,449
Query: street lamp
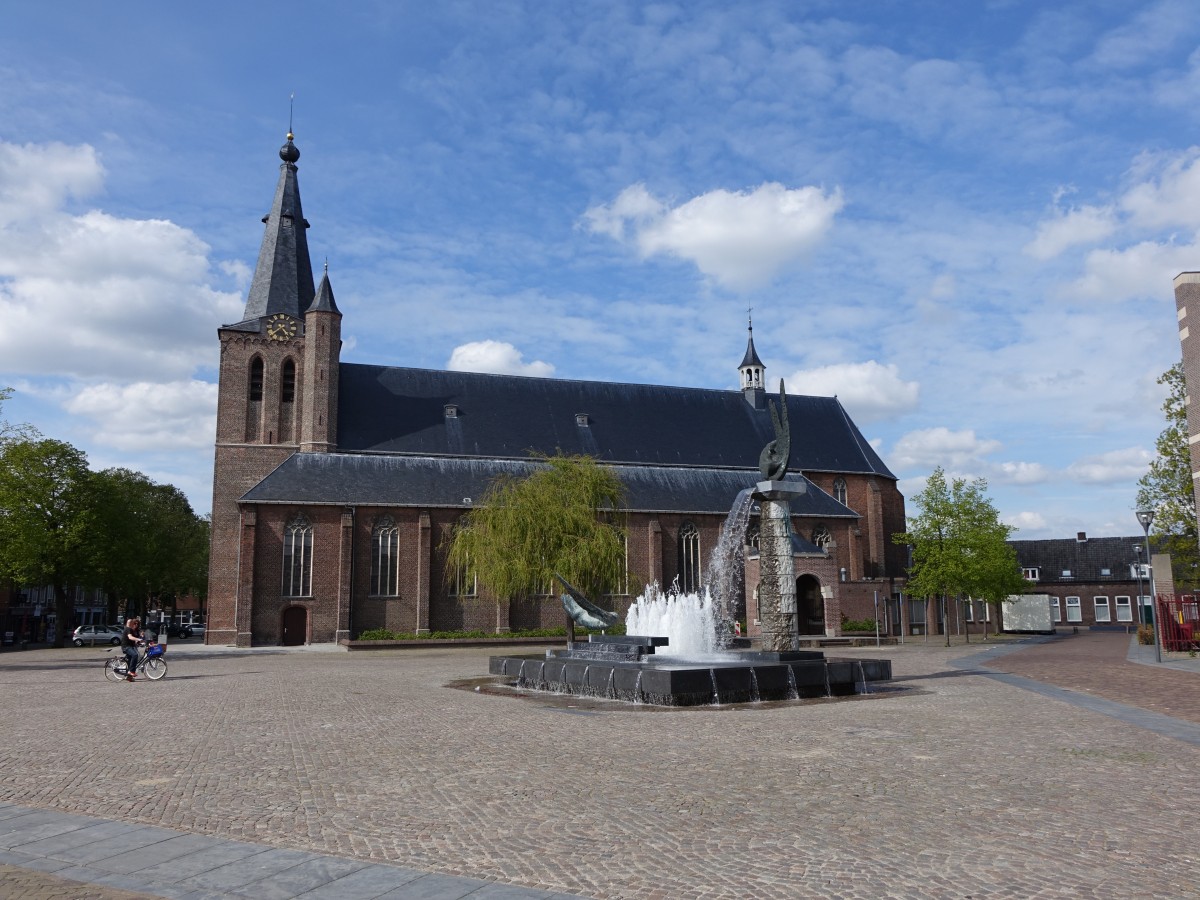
x,y
1137,573
1146,517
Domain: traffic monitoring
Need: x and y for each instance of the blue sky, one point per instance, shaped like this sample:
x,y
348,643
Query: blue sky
x,y
961,218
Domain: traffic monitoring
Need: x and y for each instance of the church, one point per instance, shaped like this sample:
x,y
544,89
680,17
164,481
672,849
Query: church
x,y
336,484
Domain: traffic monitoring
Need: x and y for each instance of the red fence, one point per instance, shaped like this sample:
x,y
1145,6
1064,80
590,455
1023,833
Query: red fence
x,y
1179,621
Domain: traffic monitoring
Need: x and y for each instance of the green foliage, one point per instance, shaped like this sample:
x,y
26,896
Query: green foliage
x,y
149,543
858,625
563,518
1167,487
959,545
10,433
46,519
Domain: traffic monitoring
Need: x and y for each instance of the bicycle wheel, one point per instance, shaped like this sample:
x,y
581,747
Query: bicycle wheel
x,y
114,668
155,668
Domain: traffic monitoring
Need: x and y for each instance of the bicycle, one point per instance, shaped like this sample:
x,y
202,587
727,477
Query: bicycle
x,y
150,663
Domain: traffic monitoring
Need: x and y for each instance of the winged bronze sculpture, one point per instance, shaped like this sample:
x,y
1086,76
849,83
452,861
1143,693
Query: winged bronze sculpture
x,y
584,612
774,459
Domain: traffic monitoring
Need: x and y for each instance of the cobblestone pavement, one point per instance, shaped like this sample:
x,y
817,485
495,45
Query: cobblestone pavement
x,y
951,784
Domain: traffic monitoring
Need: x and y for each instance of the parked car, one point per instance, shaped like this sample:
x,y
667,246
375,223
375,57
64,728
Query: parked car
x,y
197,630
96,634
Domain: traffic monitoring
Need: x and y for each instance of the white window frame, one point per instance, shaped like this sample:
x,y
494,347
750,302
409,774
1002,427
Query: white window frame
x,y
385,559
1074,610
1031,573
1056,609
1124,610
689,558
1101,603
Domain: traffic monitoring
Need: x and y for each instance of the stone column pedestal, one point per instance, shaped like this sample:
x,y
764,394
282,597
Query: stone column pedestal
x,y
777,575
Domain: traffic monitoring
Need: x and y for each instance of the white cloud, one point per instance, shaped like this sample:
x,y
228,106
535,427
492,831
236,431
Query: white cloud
x,y
932,447
496,358
1142,270
133,417
1170,199
1113,467
1083,225
36,179
1021,473
1026,521
740,239
95,295
869,391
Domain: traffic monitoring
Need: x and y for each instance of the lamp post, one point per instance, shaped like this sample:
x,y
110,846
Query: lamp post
x,y
1146,517
1137,573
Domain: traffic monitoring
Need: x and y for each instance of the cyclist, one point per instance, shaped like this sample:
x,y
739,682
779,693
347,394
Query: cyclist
x,y
131,639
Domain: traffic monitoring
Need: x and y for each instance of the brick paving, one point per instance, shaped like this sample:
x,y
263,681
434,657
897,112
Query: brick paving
x,y
955,785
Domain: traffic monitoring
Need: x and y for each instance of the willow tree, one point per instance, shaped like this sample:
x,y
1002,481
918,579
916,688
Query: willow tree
x,y
564,518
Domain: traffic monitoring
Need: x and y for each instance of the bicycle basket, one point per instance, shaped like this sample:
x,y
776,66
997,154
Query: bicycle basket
x,y
156,650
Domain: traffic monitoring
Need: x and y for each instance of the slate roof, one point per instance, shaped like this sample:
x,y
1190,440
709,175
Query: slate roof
x,y
283,281
401,410
354,479
1084,559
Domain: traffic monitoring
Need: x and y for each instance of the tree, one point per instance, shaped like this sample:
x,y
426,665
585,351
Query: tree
x,y
149,545
46,519
560,519
959,545
1167,487
9,433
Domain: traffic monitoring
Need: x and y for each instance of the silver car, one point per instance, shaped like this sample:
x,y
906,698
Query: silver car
x,y
96,634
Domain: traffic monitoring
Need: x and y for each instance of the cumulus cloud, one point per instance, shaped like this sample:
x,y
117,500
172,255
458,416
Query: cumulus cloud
x,y
1142,270
1083,225
1026,521
870,392
1169,199
739,239
1021,473
37,179
165,416
932,447
94,295
1113,467
496,358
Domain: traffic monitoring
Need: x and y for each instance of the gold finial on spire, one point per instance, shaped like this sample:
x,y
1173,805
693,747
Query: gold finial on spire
x,y
291,110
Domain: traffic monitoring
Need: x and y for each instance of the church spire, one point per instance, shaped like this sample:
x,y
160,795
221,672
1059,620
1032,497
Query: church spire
x,y
751,368
283,280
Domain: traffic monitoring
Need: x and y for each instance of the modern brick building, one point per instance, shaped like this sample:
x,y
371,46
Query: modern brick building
x,y
336,484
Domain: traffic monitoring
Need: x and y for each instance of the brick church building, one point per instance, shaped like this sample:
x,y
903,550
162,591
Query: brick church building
x,y
336,484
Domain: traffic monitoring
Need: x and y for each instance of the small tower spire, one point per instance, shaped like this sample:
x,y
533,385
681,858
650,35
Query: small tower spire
x,y
751,368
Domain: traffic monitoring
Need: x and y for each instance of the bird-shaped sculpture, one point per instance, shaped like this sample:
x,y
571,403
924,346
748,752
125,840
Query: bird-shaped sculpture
x,y
774,459
584,612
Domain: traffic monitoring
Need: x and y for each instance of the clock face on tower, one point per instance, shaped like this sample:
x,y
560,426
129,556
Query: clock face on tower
x,y
281,327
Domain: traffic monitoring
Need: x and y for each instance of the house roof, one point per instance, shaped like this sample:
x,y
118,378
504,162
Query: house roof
x,y
436,413
356,479
1085,559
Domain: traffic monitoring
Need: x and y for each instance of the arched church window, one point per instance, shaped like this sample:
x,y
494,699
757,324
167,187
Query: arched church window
x,y
256,380
287,382
689,558
621,588
385,558
297,558
839,490
821,536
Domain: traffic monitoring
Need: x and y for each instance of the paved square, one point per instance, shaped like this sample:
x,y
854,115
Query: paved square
x,y
962,785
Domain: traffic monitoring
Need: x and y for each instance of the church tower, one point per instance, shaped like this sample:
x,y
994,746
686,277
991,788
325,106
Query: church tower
x,y
277,392
751,371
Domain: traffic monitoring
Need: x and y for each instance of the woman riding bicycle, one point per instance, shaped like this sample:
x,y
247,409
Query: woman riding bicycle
x,y
131,639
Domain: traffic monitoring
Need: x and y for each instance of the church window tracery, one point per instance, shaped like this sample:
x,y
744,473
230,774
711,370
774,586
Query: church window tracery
x,y
297,558
385,558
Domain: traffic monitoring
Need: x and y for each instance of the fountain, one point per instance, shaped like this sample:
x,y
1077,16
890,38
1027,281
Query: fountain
x,y
677,649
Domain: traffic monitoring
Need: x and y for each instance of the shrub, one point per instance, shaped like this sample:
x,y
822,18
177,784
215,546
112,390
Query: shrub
x,y
1145,634
383,634
858,625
